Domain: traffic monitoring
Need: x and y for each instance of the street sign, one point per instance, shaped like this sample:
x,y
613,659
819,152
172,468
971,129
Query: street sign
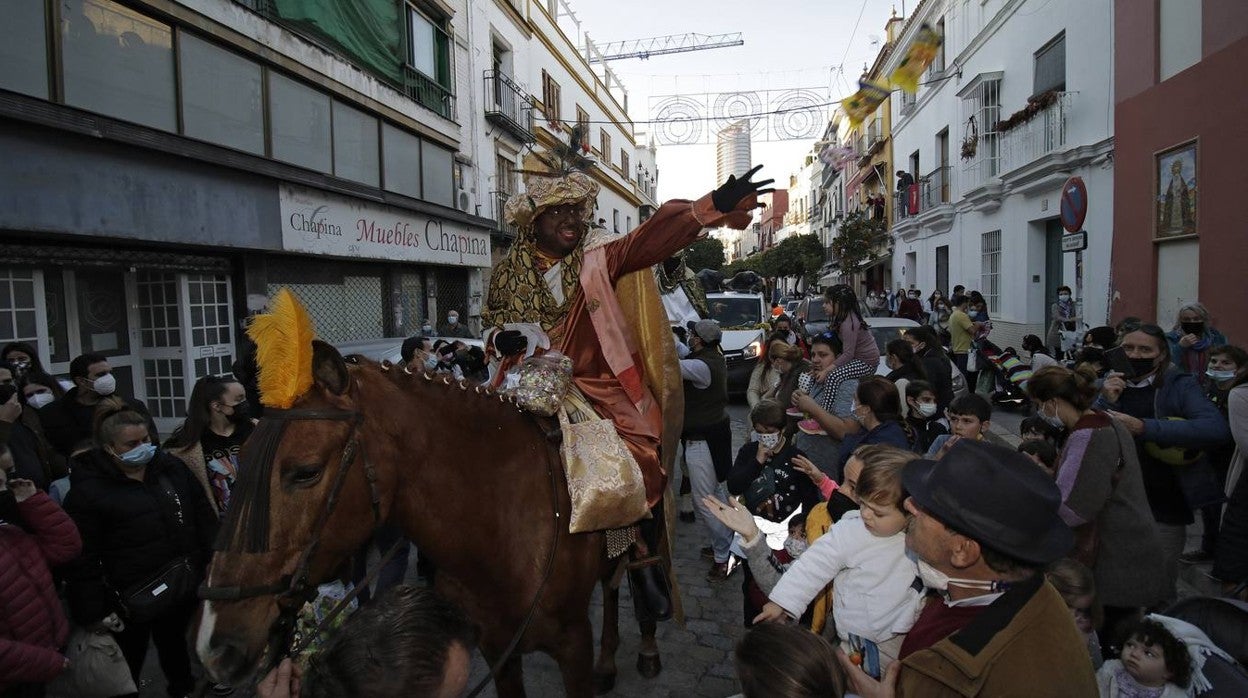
x,y
1074,204
1075,242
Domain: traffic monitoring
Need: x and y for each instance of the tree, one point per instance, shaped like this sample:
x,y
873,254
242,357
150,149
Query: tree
x,y
858,241
707,253
800,256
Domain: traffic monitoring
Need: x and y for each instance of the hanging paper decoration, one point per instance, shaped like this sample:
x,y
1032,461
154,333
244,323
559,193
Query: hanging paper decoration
x,y
864,102
921,54
839,156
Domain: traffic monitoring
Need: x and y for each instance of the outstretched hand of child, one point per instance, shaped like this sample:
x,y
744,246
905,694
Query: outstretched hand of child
x,y
772,613
732,515
812,471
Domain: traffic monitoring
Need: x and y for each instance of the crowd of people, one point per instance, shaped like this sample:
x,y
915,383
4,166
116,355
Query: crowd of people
x,y
874,511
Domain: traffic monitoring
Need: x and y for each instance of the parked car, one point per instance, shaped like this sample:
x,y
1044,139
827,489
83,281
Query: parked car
x,y
791,306
741,316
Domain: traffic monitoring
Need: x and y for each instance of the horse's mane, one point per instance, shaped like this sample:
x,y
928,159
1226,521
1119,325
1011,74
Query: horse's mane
x,y
404,378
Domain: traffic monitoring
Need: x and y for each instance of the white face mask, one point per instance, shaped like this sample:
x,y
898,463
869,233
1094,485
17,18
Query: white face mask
x,y
926,409
768,441
1220,375
795,547
935,579
1063,296
1051,419
104,385
38,400
452,319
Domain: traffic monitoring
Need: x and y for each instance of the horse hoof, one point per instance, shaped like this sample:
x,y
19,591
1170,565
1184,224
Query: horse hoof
x,y
603,683
649,665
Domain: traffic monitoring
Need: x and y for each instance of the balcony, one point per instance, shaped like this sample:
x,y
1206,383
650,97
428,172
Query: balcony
x,y
428,93
500,205
934,188
1043,134
508,107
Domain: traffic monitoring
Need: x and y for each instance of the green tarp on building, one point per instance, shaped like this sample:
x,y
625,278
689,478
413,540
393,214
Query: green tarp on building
x,y
369,31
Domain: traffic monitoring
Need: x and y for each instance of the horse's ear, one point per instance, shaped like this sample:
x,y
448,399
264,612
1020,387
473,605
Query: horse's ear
x,y
328,368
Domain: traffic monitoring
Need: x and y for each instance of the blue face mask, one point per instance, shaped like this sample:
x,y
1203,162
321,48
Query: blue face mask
x,y
138,456
1220,375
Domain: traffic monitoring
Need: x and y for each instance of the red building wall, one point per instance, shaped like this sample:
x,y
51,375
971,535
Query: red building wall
x,y
1207,101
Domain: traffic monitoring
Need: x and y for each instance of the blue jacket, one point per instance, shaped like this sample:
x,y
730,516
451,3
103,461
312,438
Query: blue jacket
x,y
889,433
1180,395
1178,354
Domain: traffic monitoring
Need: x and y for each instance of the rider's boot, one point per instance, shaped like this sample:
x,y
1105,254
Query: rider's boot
x,y
647,578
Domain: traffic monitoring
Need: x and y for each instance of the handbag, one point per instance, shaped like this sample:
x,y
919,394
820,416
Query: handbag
x,y
97,669
604,481
173,584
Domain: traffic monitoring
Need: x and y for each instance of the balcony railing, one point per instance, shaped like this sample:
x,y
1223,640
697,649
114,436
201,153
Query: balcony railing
x,y
500,205
1045,133
934,188
428,93
507,106
875,131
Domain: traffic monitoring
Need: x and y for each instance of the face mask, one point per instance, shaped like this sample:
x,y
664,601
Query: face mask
x,y
431,362
39,400
104,385
240,411
1063,296
427,329
19,367
935,579
1196,328
1220,375
1142,367
453,319
1052,420
853,412
795,547
768,441
138,456
926,410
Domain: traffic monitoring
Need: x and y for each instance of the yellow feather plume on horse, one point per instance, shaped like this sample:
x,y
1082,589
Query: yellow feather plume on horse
x,y
283,338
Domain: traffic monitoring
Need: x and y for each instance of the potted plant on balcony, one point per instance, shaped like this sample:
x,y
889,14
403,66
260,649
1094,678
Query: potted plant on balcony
x,y
970,140
1035,105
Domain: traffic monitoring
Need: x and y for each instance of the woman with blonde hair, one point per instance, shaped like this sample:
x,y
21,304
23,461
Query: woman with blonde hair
x,y
1191,338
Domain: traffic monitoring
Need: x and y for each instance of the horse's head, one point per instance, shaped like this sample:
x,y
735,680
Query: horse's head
x,y
306,498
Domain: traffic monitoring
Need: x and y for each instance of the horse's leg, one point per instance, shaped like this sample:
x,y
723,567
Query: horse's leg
x,y
604,670
509,682
575,656
649,664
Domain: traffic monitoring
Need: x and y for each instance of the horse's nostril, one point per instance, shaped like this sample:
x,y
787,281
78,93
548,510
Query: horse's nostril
x,y
227,652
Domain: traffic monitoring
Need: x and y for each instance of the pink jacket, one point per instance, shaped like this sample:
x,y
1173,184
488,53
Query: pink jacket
x,y
857,343
32,624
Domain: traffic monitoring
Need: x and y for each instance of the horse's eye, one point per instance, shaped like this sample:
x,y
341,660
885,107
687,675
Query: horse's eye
x,y
306,474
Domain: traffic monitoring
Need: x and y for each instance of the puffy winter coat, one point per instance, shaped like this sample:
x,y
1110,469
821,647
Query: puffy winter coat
x,y
130,529
32,625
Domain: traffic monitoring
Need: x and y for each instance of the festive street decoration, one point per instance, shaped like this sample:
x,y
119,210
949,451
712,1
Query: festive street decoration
x,y
922,52
863,103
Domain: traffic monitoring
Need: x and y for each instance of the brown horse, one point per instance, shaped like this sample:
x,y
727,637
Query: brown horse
x,y
473,481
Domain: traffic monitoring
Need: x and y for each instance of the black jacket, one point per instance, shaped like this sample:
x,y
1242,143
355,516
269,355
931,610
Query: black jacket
x,y
940,374
67,422
131,529
793,487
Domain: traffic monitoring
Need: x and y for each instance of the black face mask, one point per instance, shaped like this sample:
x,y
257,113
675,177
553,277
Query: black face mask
x,y
242,412
1142,367
8,508
1196,328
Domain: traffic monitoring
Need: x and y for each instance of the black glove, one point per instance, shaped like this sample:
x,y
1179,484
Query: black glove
x,y
681,333
731,192
510,343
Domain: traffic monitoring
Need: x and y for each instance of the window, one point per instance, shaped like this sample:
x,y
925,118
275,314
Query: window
x,y
401,163
437,174
624,161
118,63
299,124
981,107
604,146
942,269
582,120
355,145
430,46
628,223
550,98
18,311
505,173
24,51
222,96
1051,66
990,269
615,219
938,65
1178,36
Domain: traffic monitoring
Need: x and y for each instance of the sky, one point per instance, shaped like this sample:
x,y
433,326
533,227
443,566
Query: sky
x,y
793,44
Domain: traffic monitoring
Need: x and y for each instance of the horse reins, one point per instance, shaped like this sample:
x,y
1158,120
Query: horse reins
x,y
295,587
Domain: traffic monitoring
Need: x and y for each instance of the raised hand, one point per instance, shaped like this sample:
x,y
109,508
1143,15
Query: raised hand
x,y
729,194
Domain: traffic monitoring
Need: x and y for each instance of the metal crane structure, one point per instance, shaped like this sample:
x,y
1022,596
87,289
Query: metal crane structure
x,y
662,45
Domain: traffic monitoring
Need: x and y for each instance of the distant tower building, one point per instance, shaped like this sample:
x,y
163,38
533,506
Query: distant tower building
x,y
732,150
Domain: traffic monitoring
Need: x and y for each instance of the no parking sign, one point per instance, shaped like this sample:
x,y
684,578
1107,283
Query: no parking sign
x,y
1074,204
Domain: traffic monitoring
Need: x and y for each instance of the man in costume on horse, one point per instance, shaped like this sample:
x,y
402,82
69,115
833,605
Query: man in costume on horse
x,y
595,298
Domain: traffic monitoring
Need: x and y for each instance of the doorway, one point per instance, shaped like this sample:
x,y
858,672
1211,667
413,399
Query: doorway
x,y
1053,272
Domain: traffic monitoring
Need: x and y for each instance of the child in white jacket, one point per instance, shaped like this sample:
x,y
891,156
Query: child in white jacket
x,y
877,592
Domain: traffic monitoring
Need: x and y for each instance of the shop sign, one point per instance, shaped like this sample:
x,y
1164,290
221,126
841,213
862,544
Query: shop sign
x,y
320,223
1075,242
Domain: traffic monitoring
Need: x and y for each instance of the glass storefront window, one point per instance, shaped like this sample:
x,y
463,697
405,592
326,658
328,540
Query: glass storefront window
x,y
24,50
402,161
118,62
355,145
222,96
299,123
437,175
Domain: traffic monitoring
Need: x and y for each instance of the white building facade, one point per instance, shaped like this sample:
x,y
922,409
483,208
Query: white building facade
x,y
990,173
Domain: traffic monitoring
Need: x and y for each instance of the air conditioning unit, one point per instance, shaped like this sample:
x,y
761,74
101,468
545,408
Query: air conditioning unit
x,y
463,200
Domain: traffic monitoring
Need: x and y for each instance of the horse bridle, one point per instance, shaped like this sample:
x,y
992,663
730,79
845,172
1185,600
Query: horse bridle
x,y
294,589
